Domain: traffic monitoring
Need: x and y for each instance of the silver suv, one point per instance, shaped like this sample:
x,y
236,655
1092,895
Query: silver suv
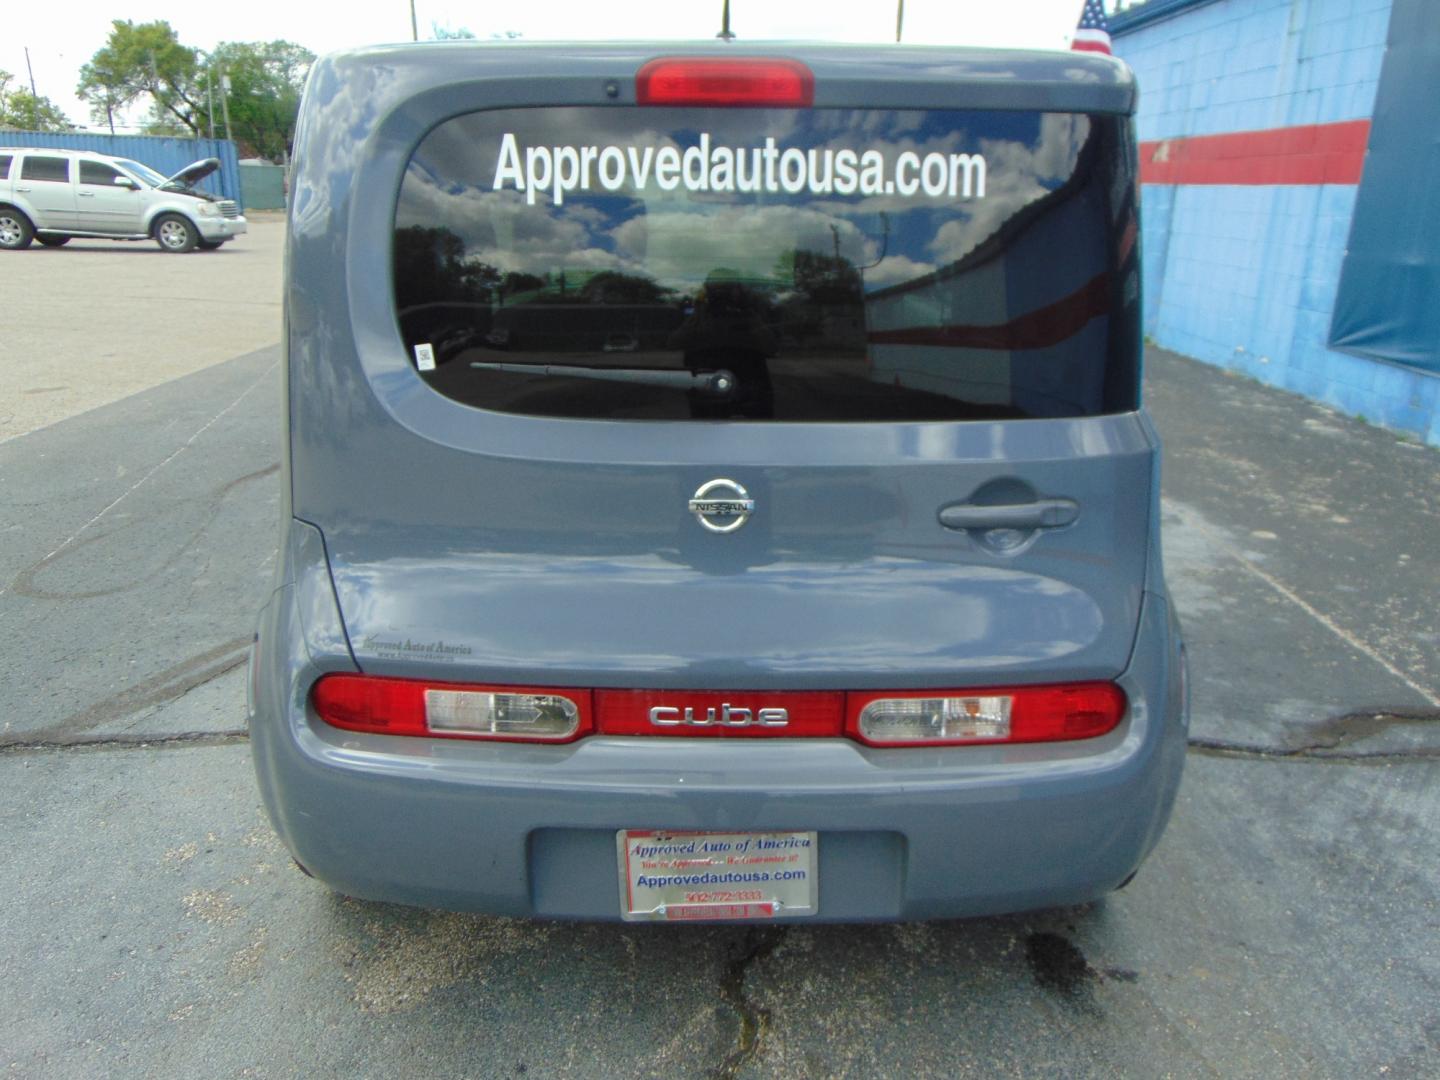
x,y
53,195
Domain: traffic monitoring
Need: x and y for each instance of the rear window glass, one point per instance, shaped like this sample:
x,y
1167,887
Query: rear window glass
x,y
4,166
45,168
759,264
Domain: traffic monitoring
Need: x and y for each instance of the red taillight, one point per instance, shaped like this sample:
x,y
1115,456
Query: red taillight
x,y
991,715
725,81
452,710
986,716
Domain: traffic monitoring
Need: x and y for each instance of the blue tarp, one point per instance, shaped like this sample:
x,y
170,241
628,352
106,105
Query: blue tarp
x,y
165,155
1388,305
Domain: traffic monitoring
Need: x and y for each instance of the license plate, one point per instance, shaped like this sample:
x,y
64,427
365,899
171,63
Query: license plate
x,y
694,876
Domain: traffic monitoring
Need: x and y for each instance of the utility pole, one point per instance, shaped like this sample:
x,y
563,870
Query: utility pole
x,y
414,28
33,91
225,103
225,108
899,19
210,100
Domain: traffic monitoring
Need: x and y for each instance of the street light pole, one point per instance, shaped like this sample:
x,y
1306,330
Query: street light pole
x,y
414,27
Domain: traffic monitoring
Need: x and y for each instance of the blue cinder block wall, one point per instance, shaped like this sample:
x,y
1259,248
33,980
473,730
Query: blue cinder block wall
x,y
1244,275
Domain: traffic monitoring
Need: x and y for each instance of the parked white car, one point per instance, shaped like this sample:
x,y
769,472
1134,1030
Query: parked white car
x,y
54,195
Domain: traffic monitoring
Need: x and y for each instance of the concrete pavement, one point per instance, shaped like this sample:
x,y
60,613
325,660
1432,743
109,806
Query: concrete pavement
x,y
99,320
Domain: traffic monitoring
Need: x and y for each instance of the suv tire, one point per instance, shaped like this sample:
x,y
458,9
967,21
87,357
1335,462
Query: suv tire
x,y
16,232
175,234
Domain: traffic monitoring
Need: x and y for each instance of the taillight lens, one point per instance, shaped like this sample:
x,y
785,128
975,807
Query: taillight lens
x,y
755,82
1001,715
387,706
452,710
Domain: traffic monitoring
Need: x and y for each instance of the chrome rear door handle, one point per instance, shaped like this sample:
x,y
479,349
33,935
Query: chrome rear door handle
x,y
1041,514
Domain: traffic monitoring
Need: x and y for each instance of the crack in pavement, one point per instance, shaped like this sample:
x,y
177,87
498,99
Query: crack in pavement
x,y
24,583
153,470
128,742
1223,748
1345,729
754,1019
165,686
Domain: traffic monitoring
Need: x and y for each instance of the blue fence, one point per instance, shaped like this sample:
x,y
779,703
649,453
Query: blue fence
x,y
165,155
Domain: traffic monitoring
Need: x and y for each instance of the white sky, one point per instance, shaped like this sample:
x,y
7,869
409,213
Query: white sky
x,y
63,37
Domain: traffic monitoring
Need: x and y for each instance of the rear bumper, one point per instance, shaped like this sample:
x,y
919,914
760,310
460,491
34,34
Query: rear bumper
x,y
530,830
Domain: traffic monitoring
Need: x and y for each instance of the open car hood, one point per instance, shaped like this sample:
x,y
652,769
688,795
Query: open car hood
x,y
194,172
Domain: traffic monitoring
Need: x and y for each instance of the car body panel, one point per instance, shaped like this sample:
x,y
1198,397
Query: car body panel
x,y
108,207
530,830
50,201
429,539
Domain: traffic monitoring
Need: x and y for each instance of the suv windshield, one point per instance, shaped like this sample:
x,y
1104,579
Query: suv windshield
x,y
144,172
756,264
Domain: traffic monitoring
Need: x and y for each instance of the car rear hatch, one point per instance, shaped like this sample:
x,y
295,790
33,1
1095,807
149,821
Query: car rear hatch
x,y
797,375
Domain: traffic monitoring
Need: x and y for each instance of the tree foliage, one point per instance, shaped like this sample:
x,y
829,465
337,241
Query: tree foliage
x,y
183,86
266,79
145,60
19,108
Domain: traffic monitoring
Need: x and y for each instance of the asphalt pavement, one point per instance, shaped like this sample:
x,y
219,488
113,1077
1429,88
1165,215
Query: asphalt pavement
x,y
1286,925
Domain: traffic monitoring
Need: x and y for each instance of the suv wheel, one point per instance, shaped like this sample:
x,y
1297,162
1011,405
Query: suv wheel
x,y
53,241
16,232
175,235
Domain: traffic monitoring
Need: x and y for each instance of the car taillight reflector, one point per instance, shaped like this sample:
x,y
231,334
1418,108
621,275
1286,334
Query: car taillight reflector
x,y
1000,715
451,710
754,82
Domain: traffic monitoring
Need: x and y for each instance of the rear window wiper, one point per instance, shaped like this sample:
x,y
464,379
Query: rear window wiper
x,y
719,382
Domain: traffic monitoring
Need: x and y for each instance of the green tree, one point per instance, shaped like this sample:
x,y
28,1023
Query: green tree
x,y
266,79
19,108
614,287
145,60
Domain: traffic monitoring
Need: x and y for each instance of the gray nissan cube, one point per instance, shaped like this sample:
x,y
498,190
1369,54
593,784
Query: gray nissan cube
x,y
716,486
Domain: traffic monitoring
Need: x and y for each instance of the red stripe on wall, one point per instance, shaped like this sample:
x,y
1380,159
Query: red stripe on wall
x,y
1308,154
1038,329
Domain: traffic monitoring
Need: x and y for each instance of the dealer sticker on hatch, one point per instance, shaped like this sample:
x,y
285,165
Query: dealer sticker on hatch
x,y
691,876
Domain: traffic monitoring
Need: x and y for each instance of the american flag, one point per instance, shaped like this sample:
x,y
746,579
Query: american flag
x,y
1093,33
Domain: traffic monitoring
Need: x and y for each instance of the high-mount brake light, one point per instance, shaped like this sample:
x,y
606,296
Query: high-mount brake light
x,y
386,706
736,82
1002,715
